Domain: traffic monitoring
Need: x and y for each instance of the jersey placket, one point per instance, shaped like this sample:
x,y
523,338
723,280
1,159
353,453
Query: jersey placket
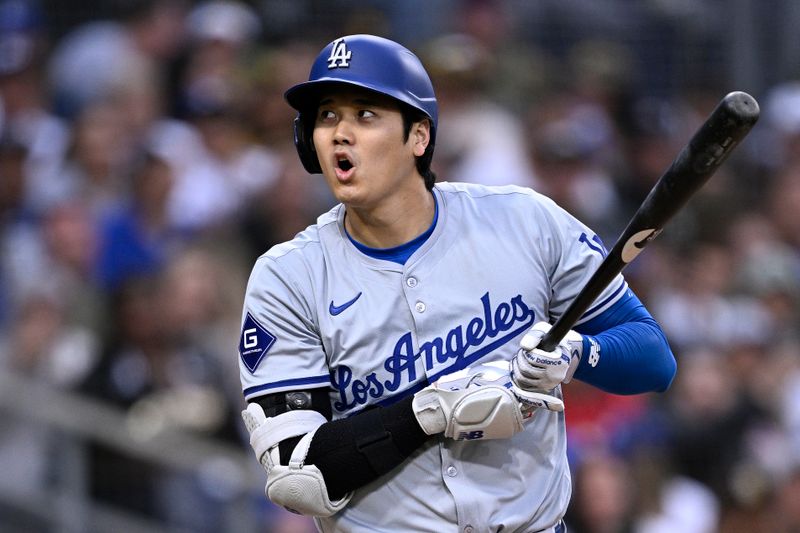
x,y
460,490
451,467
418,307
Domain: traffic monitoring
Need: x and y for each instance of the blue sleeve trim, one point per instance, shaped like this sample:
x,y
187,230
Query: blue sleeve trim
x,y
287,384
634,355
590,314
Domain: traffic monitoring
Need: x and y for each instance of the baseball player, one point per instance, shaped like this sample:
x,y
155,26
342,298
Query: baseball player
x,y
388,352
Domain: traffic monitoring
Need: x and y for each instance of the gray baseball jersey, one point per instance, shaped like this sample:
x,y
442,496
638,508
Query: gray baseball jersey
x,y
320,313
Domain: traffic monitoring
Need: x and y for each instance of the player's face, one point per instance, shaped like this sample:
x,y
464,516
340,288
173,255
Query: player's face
x,y
358,136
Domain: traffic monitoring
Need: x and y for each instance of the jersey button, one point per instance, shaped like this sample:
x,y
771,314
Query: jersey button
x,y
452,471
420,307
411,282
469,529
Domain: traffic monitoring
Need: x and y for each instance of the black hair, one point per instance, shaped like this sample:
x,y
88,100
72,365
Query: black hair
x,y
410,117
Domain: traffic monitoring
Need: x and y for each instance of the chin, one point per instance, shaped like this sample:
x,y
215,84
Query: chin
x,y
347,195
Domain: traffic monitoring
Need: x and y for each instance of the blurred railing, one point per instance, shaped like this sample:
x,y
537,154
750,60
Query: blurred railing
x,y
67,507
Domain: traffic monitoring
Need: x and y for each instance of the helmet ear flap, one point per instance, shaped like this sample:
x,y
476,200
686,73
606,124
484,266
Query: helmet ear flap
x,y
304,142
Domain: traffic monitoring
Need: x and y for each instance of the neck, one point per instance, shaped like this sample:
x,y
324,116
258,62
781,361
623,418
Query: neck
x,y
394,224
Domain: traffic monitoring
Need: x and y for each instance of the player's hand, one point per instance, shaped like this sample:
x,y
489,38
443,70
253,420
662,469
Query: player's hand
x,y
479,402
540,371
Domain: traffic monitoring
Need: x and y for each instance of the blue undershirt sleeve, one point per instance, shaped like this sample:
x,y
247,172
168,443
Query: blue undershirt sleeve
x,y
634,356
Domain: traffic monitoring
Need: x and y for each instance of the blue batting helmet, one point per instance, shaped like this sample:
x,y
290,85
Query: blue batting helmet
x,y
365,61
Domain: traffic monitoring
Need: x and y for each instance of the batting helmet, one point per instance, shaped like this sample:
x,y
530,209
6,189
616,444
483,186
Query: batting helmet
x,y
365,61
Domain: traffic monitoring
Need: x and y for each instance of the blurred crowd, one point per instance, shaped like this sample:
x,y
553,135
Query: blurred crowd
x,y
146,160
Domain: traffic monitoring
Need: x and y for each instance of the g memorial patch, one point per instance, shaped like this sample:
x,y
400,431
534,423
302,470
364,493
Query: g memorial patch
x,y
254,343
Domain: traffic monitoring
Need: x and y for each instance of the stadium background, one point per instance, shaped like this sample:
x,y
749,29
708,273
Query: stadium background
x,y
146,160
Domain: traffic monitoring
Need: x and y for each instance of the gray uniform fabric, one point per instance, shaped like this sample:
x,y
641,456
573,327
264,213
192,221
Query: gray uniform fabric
x,y
320,313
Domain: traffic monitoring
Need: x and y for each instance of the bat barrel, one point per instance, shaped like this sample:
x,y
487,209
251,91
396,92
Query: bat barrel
x,y
708,148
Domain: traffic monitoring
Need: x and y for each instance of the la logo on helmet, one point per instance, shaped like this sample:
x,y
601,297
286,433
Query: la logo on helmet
x,y
340,55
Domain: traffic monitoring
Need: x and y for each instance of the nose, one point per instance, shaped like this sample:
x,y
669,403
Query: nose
x,y
343,133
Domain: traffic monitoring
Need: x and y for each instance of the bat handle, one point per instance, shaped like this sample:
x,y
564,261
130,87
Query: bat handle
x,y
599,279
550,341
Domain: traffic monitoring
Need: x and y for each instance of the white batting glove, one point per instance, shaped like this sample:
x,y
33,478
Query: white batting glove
x,y
540,371
479,402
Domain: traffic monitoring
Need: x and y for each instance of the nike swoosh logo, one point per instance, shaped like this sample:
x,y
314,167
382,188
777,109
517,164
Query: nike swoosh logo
x,y
636,243
646,240
336,309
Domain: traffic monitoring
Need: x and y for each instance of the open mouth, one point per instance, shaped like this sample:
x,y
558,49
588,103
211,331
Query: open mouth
x,y
344,164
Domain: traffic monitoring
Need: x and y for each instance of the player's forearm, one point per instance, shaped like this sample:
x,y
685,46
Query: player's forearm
x,y
354,451
634,357
313,464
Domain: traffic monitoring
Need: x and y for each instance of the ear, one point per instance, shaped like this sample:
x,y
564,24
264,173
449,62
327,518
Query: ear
x,y
421,136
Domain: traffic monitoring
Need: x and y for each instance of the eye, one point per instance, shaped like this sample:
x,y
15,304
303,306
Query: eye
x,y
326,115
366,113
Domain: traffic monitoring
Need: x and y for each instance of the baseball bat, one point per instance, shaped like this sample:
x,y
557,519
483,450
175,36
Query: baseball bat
x,y
708,148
